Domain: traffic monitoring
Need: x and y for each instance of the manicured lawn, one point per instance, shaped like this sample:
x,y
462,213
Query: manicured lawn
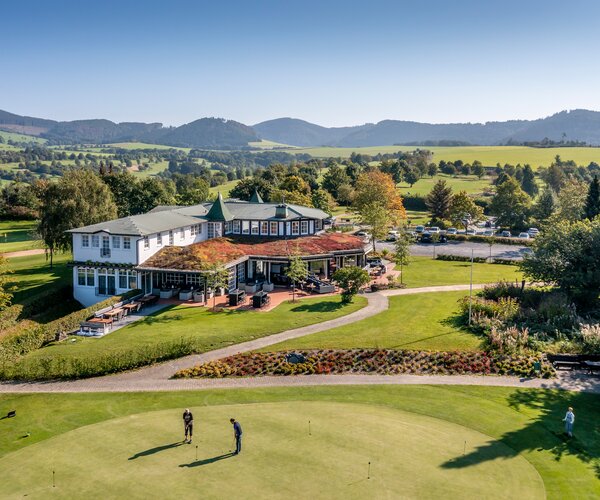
x,y
425,271
425,441
33,274
17,235
209,330
422,321
223,188
468,183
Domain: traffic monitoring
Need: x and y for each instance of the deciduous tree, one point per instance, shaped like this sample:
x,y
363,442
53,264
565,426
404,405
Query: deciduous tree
x,y
297,271
462,204
511,204
350,279
439,200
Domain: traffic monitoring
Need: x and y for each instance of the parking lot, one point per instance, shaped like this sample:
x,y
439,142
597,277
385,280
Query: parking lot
x,y
463,248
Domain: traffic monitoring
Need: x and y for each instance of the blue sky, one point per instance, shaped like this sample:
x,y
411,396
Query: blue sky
x,y
330,62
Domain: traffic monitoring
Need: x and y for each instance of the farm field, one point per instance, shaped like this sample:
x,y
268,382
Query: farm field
x,y
143,145
427,441
468,183
17,235
426,271
417,322
13,136
206,329
488,155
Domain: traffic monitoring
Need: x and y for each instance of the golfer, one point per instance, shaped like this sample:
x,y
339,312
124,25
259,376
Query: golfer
x,y
188,424
237,432
569,420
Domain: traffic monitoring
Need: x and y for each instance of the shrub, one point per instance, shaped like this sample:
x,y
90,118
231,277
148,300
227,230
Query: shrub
x,y
590,339
508,340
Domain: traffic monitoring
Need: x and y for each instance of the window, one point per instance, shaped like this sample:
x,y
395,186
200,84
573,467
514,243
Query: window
x,y
215,230
105,250
245,227
318,224
146,242
304,227
211,230
264,227
95,241
85,276
194,279
273,227
127,280
116,241
193,230
126,242
182,233
295,227
85,240
171,238
236,226
228,227
159,239
254,227
196,229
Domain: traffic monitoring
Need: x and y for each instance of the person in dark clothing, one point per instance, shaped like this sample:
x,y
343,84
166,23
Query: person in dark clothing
x,y
237,432
188,423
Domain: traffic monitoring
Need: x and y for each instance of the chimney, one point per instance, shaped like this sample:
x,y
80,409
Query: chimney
x,y
281,211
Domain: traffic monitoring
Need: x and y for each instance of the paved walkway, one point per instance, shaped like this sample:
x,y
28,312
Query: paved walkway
x,y
23,253
157,377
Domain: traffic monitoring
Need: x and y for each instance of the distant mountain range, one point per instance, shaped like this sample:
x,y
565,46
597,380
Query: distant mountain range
x,y
217,133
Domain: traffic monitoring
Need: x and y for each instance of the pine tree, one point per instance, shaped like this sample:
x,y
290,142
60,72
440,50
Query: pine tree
x,y
592,205
528,183
439,201
546,205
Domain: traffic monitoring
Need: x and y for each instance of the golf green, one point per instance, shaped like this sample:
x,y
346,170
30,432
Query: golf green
x,y
142,456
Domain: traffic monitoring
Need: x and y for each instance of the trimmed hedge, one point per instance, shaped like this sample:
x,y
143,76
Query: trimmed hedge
x,y
480,260
28,336
486,239
414,202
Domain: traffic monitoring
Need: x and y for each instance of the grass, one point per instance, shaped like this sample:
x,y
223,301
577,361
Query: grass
x,y
488,155
13,136
418,322
17,235
469,183
426,441
33,274
143,145
209,330
425,271
223,188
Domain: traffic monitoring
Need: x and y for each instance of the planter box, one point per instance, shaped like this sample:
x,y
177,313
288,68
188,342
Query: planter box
x,y
166,294
198,297
250,288
268,287
185,295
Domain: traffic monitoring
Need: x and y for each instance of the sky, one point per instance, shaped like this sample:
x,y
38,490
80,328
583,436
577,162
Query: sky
x,y
335,63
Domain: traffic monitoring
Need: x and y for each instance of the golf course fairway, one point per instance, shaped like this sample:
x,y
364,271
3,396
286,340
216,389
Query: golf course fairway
x,y
142,456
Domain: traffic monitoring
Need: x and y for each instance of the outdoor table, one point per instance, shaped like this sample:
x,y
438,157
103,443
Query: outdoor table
x,y
592,366
106,321
133,306
115,313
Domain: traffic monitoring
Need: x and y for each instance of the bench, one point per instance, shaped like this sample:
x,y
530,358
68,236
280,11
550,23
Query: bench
x,y
565,361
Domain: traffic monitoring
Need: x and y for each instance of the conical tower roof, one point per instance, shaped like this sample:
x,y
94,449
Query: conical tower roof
x,y
219,211
256,198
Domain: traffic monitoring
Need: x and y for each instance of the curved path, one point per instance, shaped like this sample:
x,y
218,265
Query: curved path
x,y
157,377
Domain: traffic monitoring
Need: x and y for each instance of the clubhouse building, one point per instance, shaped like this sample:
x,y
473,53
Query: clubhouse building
x,y
173,248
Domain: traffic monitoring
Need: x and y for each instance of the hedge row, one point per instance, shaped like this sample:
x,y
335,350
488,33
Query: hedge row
x,y
486,239
482,260
28,336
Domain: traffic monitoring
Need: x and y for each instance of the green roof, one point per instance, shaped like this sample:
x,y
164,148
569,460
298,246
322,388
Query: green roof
x,y
219,211
256,198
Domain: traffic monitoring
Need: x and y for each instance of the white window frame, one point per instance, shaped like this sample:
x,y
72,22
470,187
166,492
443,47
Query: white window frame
x,y
146,242
182,233
304,227
116,242
171,238
245,227
130,279
237,227
159,239
193,230
126,243
254,227
85,240
228,227
274,226
295,228
88,276
95,241
264,227
318,225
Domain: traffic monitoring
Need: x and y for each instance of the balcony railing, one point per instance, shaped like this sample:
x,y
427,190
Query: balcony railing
x,y
105,253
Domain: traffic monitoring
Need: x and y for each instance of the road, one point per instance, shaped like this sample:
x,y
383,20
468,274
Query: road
x,y
463,248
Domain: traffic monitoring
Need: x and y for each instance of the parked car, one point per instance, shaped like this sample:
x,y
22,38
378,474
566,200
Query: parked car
x,y
375,262
489,232
451,230
470,231
419,229
362,234
505,234
427,237
392,236
434,229
525,236
533,232
329,221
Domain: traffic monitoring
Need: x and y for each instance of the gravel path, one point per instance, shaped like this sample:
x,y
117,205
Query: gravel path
x,y
23,253
157,377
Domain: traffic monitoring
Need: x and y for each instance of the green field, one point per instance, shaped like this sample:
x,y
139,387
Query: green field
x,y
223,188
422,442
33,274
470,184
425,271
488,155
17,235
419,322
144,145
210,330
13,136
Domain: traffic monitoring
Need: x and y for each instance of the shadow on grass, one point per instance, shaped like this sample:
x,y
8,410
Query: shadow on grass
x,y
545,431
319,307
160,316
153,451
207,461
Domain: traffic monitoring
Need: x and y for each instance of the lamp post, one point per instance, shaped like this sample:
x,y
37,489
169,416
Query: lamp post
x,y
471,290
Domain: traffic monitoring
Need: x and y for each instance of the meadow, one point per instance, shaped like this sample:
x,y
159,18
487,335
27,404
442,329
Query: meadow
x,y
17,235
488,155
423,441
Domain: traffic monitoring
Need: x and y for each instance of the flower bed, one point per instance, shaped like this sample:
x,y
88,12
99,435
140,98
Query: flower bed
x,y
376,361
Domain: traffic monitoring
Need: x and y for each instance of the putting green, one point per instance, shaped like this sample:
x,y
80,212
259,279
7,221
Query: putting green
x,y
141,456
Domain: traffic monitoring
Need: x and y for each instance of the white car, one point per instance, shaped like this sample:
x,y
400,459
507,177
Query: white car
x,y
451,230
525,236
433,229
533,232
